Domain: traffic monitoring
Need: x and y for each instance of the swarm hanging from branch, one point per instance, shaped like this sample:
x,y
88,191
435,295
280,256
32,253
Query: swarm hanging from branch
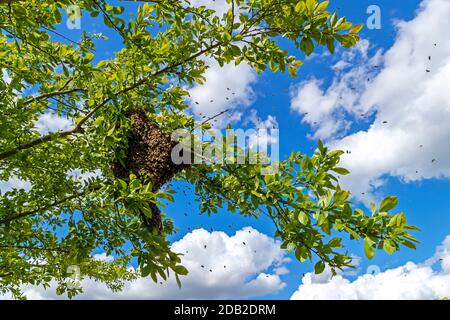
x,y
149,153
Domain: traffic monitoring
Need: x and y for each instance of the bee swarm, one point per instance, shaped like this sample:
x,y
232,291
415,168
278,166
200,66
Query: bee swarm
x,y
149,152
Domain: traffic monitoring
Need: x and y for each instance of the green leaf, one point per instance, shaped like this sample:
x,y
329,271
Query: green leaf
x,y
369,250
330,44
341,195
292,71
145,271
311,5
307,46
147,8
356,28
319,267
300,7
123,184
388,204
303,218
341,171
389,247
177,278
323,6
333,19
291,246
301,253
373,208
408,244
321,147
335,243
153,276
181,270
268,179
147,212
98,121
166,196
344,26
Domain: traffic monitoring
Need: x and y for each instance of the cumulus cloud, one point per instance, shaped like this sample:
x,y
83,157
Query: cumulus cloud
x,y
327,110
227,87
220,6
266,131
428,280
50,122
246,264
103,257
405,100
14,183
6,77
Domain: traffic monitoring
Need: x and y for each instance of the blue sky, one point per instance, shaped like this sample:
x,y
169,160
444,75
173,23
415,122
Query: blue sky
x,y
383,159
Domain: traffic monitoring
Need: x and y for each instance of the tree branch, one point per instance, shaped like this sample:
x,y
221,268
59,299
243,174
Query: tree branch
x,y
62,134
34,211
53,94
78,128
34,248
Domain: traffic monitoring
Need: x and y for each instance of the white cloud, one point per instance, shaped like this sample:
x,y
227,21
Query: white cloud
x,y
49,122
410,281
103,257
83,177
6,77
410,106
227,87
238,270
14,183
220,6
325,110
281,271
355,270
266,131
